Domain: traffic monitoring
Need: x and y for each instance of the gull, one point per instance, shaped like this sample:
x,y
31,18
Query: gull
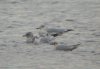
x,y
65,47
54,31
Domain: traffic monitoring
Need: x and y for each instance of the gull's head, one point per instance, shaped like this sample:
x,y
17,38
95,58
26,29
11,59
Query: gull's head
x,y
28,34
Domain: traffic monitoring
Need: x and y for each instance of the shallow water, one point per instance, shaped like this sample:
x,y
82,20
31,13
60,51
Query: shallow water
x,y
20,16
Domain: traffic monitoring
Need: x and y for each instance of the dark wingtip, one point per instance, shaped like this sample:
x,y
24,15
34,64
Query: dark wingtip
x,y
69,30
